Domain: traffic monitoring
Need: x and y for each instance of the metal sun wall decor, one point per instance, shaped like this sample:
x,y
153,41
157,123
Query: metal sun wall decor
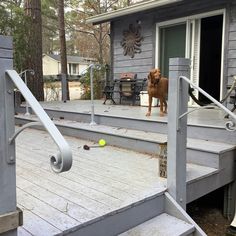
x,y
131,41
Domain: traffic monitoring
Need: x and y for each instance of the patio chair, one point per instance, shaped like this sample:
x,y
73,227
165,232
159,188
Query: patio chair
x,y
108,91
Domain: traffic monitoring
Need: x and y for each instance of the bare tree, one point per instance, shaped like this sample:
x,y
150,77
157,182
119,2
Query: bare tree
x,y
34,57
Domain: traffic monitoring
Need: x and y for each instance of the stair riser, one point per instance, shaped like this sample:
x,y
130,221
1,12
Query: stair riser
x,y
111,139
203,158
211,134
203,186
199,132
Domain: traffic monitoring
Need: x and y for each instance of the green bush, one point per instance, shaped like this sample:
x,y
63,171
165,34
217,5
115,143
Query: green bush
x,y
98,83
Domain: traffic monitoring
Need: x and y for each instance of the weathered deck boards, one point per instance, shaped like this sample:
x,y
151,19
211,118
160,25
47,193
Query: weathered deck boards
x,y
100,181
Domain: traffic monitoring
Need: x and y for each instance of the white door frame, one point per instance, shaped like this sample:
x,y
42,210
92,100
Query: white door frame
x,y
187,21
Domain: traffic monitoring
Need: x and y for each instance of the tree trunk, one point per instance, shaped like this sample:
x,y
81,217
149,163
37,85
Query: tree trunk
x,y
34,58
100,45
62,37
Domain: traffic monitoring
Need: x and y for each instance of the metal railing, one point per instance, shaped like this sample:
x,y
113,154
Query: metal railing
x,y
229,125
61,161
90,69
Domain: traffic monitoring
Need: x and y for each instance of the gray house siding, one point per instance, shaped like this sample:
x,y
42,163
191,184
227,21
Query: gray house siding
x,y
231,55
143,62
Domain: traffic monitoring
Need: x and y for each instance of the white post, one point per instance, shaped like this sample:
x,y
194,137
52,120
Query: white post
x,y
7,151
177,129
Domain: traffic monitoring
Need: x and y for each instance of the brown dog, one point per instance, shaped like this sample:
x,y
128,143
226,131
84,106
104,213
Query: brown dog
x,y
157,88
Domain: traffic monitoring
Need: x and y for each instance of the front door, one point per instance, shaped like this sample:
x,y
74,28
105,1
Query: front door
x,y
199,39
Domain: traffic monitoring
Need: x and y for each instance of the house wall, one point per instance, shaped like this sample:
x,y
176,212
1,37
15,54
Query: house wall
x,y
53,67
82,68
143,62
231,53
50,66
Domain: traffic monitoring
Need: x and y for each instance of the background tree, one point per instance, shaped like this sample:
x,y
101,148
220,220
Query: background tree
x,y
13,22
62,37
33,60
50,26
27,21
92,40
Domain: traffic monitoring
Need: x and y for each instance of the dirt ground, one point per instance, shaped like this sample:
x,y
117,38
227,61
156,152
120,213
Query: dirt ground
x,y
207,213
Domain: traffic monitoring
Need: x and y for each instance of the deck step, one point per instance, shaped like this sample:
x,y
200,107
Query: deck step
x,y
201,152
198,175
107,192
202,124
163,224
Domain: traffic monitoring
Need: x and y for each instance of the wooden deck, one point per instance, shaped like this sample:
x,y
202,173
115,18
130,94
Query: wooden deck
x,y
100,181
104,180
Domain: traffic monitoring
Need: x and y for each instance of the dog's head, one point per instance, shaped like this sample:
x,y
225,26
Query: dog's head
x,y
154,76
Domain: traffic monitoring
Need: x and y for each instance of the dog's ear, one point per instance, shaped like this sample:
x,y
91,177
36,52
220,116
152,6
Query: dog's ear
x,y
158,72
150,76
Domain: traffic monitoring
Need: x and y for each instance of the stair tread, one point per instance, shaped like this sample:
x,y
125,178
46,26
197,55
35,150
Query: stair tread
x,y
199,144
162,225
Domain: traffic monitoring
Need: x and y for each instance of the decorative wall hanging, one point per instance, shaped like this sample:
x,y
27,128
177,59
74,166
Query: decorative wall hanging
x,y
131,41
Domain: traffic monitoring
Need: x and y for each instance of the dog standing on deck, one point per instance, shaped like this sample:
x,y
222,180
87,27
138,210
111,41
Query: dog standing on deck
x,y
157,88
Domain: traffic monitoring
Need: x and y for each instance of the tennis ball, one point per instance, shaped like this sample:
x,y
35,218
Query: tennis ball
x,y
102,142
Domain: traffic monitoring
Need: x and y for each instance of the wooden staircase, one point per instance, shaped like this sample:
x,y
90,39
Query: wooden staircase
x,y
210,166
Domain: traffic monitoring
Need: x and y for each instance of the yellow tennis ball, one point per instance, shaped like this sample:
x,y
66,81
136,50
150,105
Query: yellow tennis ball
x,y
102,142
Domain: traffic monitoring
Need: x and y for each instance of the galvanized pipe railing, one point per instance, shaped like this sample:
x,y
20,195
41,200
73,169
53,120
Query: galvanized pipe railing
x,y
61,161
229,125
90,69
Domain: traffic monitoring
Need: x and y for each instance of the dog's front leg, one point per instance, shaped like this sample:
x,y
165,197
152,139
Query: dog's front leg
x,y
161,107
149,105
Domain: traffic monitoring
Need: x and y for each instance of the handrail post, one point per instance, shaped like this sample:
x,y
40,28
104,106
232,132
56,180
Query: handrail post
x,y
92,67
177,129
7,126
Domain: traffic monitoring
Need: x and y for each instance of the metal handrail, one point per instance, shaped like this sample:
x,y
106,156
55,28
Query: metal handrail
x,y
62,161
229,125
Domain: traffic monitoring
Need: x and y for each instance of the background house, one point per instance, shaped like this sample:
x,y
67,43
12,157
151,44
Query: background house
x,y
75,64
